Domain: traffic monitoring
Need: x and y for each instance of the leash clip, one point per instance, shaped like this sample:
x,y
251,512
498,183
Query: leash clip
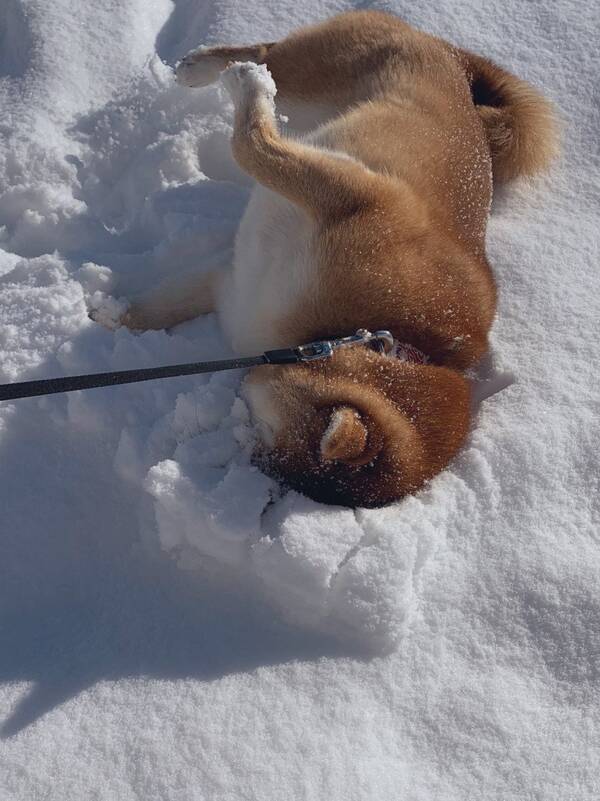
x,y
315,350
323,349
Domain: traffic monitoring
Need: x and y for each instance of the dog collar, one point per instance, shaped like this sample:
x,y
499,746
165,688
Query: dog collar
x,y
408,353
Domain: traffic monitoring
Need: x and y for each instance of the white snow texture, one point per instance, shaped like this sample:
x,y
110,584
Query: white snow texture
x,y
175,628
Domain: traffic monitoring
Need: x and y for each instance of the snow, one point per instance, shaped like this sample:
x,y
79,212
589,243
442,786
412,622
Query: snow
x,y
252,75
172,626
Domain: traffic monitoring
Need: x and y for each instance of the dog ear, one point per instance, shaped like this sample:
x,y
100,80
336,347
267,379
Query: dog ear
x,y
345,438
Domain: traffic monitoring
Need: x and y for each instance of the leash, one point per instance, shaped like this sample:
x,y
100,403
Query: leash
x,y
323,349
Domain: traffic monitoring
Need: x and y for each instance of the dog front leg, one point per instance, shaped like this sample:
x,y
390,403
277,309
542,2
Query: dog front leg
x,y
326,184
173,301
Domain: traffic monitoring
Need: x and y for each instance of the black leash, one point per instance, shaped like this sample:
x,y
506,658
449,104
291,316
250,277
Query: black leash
x,y
303,353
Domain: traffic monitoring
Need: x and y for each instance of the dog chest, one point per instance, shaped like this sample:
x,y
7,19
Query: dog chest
x,y
274,269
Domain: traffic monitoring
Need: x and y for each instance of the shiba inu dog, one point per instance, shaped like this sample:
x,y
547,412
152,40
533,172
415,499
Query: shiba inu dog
x,y
374,218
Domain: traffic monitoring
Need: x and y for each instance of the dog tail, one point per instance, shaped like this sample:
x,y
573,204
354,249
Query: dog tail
x,y
520,123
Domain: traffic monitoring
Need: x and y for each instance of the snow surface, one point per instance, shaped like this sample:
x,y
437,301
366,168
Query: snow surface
x,y
447,647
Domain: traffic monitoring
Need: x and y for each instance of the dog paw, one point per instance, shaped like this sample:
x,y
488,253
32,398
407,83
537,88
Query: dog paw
x,y
107,311
248,81
199,68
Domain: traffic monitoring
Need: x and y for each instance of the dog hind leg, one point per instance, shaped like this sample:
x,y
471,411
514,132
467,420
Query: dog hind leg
x,y
335,63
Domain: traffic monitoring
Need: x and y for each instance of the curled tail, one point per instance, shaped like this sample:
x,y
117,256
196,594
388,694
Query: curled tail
x,y
520,123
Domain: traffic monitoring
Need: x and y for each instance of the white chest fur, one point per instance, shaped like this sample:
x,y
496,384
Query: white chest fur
x,y
274,267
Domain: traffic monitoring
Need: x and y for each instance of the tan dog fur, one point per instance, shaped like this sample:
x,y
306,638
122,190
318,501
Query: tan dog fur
x,y
395,190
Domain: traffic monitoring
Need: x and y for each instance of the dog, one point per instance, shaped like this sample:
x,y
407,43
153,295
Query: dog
x,y
372,216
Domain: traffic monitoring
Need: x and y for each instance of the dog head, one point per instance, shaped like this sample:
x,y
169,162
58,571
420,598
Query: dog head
x,y
359,429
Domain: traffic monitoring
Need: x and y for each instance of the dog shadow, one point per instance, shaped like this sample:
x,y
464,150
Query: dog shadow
x,y
82,601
